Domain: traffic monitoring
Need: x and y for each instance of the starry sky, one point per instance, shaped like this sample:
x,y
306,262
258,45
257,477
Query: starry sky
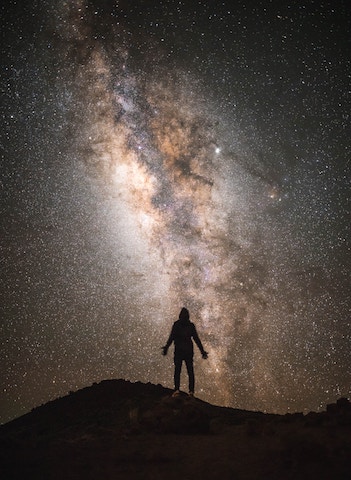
x,y
161,154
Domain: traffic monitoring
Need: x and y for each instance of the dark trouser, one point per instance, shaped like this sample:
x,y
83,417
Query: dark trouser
x,y
190,368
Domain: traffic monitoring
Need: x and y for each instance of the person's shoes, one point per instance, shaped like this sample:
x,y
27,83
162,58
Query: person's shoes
x,y
176,393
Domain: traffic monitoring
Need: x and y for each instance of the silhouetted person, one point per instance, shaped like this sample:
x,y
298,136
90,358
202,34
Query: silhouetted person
x,y
183,331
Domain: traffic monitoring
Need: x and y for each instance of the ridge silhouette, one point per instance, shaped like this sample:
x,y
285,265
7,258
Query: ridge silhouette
x,y
119,429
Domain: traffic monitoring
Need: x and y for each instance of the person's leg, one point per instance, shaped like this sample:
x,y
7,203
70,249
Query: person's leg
x,y
190,368
177,370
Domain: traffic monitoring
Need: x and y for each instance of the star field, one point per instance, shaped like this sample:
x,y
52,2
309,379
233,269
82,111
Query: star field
x,y
156,155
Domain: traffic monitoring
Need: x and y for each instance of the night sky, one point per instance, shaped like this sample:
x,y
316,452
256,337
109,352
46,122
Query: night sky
x,y
161,154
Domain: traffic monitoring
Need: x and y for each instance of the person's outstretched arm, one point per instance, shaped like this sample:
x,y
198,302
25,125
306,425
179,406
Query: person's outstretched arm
x,y
169,342
198,343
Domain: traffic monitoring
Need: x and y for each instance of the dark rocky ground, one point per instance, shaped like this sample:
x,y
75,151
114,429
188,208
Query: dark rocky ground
x,y
122,430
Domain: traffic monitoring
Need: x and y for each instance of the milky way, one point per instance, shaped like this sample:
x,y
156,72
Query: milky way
x,y
156,158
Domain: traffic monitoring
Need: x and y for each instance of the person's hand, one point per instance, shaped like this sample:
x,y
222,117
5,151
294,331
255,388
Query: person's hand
x,y
164,350
205,355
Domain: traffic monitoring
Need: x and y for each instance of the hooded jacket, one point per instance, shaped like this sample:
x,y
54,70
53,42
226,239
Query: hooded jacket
x,y
183,333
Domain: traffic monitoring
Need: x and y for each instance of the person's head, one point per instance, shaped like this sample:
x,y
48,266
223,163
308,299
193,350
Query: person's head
x,y
184,315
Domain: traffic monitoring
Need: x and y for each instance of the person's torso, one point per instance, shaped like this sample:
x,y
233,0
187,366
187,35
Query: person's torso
x,y
183,332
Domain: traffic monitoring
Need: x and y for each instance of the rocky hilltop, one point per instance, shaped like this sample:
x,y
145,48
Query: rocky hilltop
x,y
122,430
